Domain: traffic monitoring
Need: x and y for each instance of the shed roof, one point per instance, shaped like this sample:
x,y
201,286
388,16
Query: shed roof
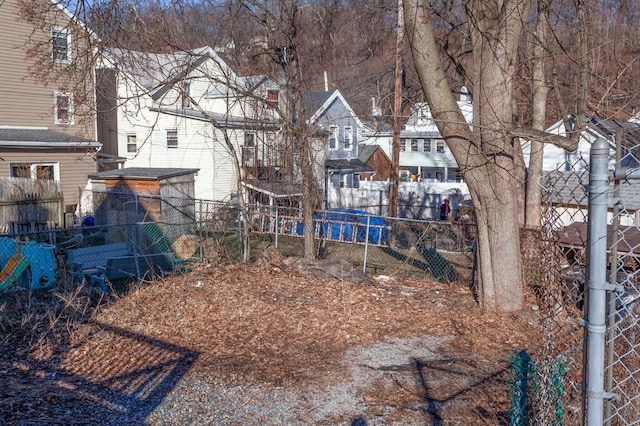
x,y
143,173
575,235
348,166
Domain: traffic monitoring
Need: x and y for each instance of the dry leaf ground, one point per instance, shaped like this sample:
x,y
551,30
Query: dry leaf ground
x,y
267,344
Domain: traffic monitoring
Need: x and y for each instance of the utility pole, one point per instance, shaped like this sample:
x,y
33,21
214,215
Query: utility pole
x,y
395,172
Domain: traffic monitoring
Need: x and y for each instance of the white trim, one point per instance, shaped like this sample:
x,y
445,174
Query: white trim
x,y
34,168
327,104
62,30
135,135
71,117
334,133
348,130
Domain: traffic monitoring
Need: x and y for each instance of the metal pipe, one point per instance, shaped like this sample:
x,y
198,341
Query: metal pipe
x,y
366,246
597,283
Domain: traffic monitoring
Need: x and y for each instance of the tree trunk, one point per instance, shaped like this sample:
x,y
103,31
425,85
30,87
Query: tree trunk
x,y
486,155
533,209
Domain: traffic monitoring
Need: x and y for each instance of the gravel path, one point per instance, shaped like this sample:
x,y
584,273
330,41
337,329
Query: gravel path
x,y
199,399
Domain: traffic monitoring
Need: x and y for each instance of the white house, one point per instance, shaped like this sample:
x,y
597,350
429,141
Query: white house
x,y
561,160
424,155
565,173
188,110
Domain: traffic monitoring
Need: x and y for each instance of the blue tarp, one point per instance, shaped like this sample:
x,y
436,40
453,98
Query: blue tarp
x,y
339,224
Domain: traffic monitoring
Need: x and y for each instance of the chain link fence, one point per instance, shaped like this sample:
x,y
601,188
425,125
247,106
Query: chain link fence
x,y
559,276
622,343
440,250
555,268
555,258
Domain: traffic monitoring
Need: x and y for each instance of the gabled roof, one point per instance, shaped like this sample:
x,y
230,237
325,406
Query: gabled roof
x,y
73,18
314,101
42,137
155,71
609,128
366,151
158,73
316,105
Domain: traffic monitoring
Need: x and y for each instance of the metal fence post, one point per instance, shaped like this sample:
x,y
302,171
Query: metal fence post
x,y
366,246
200,226
276,228
597,284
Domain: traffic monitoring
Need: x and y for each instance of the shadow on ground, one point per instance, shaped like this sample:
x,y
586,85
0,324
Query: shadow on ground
x,y
122,387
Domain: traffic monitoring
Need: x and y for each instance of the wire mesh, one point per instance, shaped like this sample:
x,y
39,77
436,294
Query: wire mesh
x,y
622,370
439,250
555,266
559,277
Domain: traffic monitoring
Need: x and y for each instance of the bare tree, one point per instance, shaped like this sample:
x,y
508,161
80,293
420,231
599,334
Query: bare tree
x,y
281,24
488,152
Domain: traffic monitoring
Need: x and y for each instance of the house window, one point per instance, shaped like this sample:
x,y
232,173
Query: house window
x,y
249,149
272,98
63,108
414,145
348,135
403,144
132,143
333,137
344,182
186,95
440,146
426,145
41,171
172,138
60,43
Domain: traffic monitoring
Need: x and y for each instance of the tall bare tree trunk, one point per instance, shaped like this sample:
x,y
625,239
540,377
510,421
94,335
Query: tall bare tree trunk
x,y
533,211
397,112
486,154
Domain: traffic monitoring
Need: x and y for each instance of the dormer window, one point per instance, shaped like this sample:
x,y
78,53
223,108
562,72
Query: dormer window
x,y
60,44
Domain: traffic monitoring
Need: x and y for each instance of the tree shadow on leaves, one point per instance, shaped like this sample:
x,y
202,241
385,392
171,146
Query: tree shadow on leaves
x,y
433,371
122,384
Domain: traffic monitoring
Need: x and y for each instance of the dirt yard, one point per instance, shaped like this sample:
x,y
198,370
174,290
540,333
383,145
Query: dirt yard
x,y
268,344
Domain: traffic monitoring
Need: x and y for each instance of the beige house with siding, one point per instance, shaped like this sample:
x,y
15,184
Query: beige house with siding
x,y
47,121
